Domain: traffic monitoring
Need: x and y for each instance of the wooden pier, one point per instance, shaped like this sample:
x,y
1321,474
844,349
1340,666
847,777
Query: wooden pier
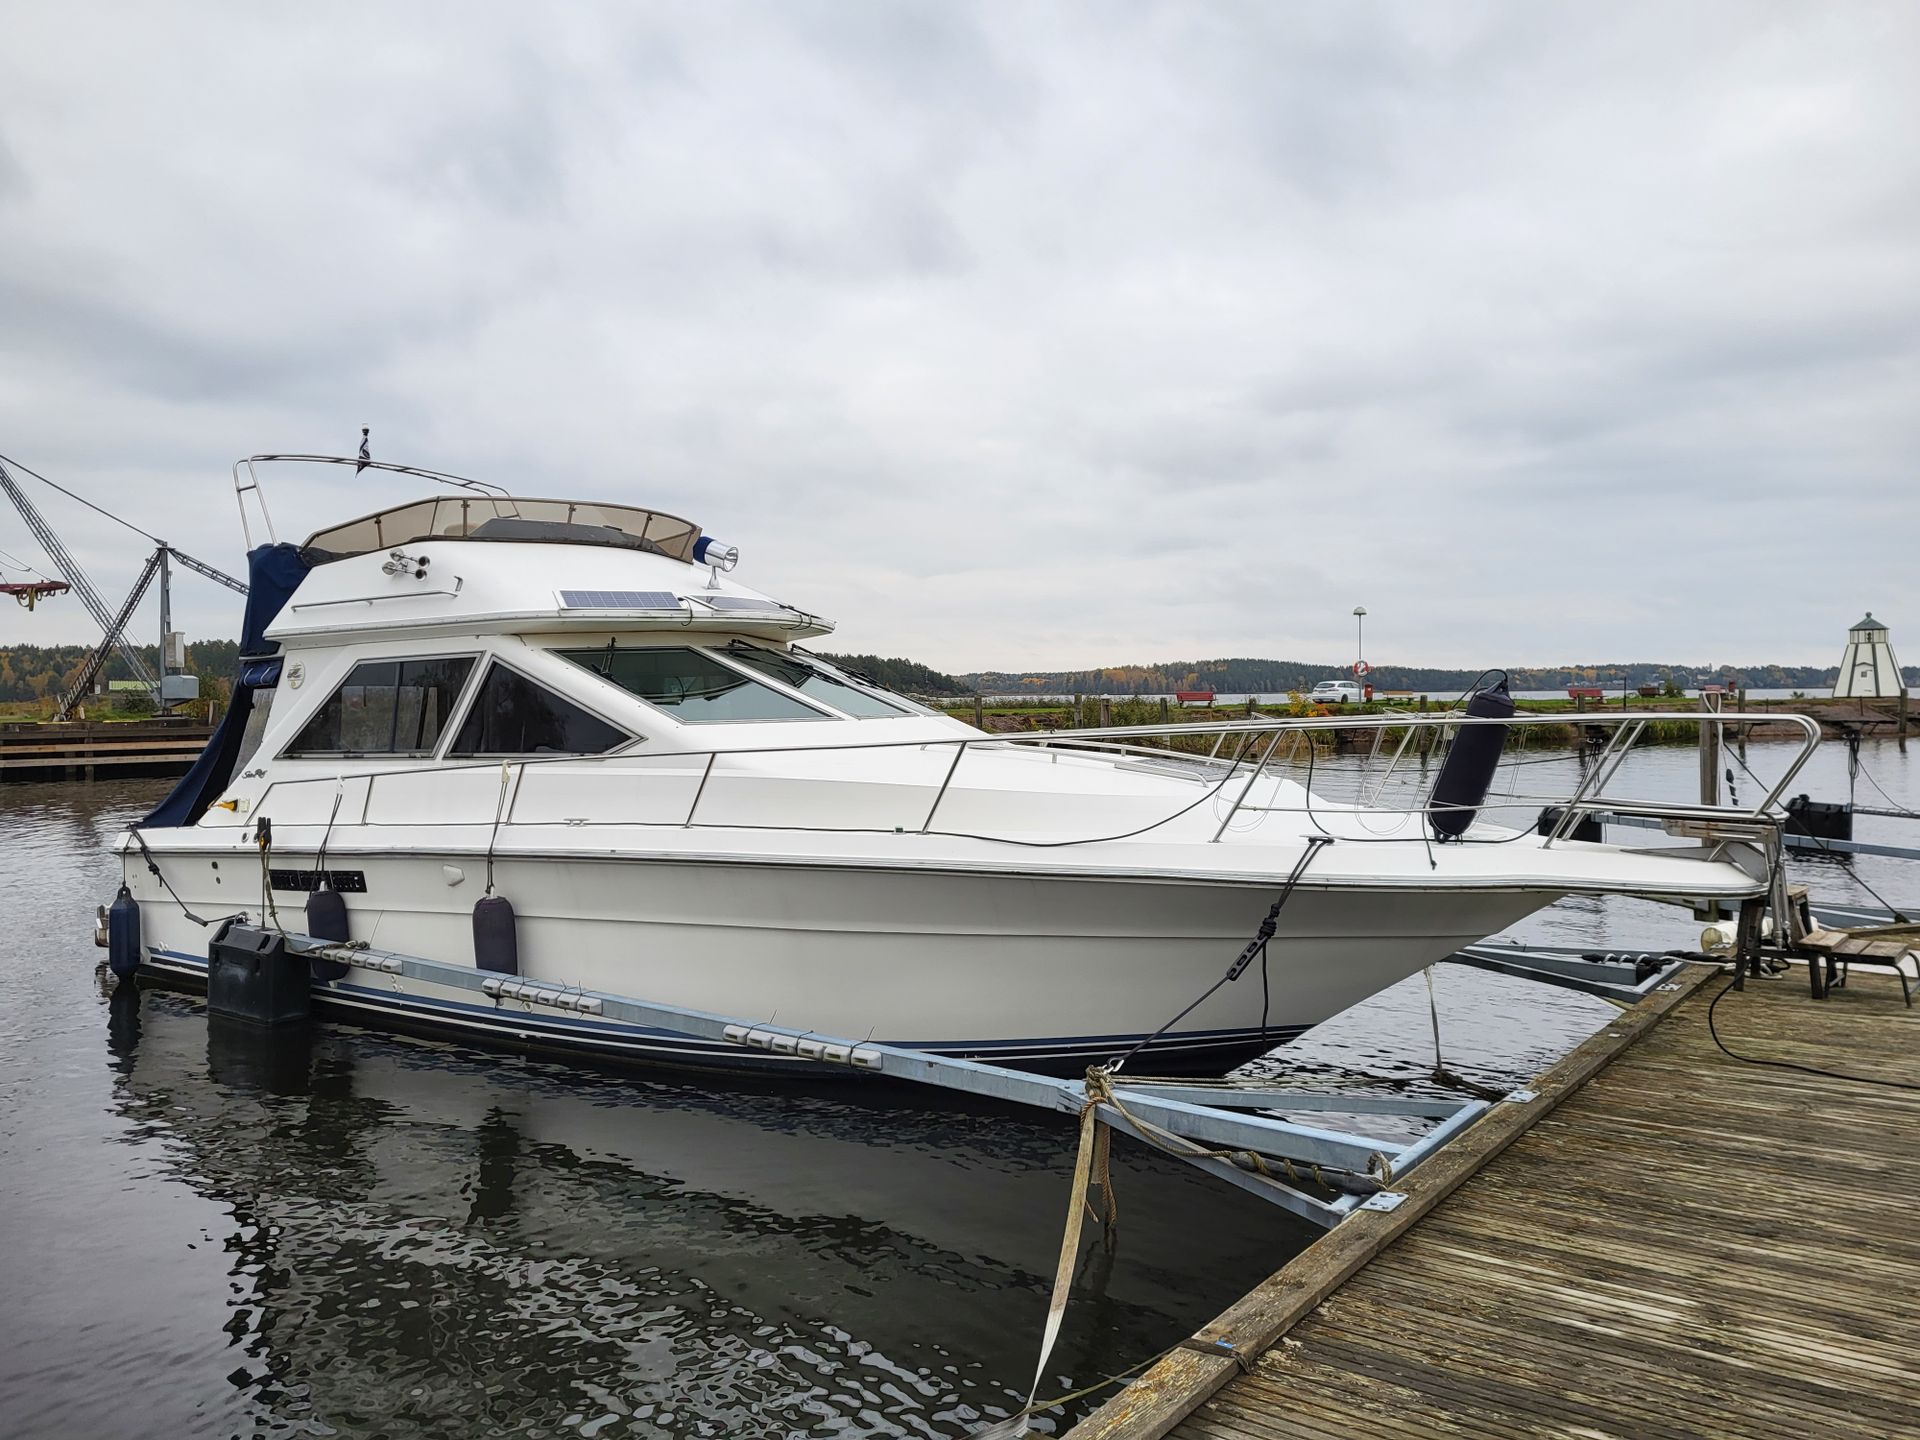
x,y
86,749
1666,1243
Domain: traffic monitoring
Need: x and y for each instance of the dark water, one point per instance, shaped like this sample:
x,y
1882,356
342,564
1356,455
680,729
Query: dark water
x,y
372,1236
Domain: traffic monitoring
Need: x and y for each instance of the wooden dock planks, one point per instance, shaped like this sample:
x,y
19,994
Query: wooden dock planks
x,y
1681,1246
56,751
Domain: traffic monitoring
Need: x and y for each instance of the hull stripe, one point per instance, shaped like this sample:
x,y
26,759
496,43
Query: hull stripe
x,y
614,1038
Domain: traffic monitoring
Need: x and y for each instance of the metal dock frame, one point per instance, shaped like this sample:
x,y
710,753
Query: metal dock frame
x,y
1282,1161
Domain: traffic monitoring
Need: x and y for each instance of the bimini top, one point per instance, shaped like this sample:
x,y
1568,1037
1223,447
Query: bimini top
x,y
484,517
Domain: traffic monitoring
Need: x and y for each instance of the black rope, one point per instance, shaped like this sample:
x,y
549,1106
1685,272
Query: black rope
x,y
1307,810
1257,946
1820,840
154,866
320,860
1266,992
1212,793
263,841
1789,1064
499,809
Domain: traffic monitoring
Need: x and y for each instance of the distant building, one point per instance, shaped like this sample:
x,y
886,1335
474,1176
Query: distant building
x,y
1868,670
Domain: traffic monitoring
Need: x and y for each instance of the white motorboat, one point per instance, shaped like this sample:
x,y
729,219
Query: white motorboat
x,y
574,706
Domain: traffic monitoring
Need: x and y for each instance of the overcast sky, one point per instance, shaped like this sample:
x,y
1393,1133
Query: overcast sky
x,y
1013,335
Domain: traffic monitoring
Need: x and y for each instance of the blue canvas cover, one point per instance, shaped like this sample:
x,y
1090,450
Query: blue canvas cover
x,y
274,572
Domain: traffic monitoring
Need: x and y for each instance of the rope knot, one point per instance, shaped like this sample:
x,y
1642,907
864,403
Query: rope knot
x,y
1099,1085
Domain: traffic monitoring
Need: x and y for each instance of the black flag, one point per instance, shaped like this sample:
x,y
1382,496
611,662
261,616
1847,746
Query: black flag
x,y
365,454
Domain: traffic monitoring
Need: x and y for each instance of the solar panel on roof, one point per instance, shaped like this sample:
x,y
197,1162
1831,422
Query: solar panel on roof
x,y
619,600
740,602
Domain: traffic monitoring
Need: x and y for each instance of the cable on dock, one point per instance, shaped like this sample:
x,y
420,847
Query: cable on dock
x,y
1791,1064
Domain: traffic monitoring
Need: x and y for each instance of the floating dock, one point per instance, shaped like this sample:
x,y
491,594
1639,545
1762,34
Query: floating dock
x,y
82,750
1662,1242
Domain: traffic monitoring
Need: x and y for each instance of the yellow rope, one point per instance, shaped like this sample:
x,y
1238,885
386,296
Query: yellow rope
x,y
1093,1148
1093,1165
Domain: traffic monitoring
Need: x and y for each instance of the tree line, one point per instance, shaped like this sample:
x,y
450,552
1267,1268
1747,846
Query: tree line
x,y
1277,677
43,672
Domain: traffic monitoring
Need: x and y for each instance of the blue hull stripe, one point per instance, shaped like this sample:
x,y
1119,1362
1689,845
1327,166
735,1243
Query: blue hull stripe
x,y
615,1038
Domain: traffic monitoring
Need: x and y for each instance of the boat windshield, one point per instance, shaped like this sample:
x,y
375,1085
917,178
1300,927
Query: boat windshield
x,y
690,685
815,682
485,517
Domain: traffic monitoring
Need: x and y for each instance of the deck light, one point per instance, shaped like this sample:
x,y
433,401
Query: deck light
x,y
709,551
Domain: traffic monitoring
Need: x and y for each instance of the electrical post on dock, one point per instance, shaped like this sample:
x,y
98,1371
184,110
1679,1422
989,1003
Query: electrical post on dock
x,y
1709,740
1709,750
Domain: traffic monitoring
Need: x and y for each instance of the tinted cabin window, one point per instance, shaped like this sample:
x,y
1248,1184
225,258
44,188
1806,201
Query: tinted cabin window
x,y
810,679
386,707
514,716
693,688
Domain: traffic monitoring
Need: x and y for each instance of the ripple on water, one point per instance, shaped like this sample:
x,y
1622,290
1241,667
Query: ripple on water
x,y
371,1236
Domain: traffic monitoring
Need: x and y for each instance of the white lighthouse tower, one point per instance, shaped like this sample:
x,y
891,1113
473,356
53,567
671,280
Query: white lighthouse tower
x,y
1868,670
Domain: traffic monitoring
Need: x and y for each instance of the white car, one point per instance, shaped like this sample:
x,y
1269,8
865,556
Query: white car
x,y
1337,692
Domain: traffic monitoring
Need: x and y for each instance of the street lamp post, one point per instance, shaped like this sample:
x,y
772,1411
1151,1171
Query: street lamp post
x,y
1359,632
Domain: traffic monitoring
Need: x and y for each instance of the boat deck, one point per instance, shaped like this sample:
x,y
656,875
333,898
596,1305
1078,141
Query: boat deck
x,y
1666,1243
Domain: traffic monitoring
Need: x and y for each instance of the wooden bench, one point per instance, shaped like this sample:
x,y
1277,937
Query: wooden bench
x,y
1889,946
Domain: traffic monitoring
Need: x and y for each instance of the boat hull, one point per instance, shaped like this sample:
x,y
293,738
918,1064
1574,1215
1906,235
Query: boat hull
x,y
1045,972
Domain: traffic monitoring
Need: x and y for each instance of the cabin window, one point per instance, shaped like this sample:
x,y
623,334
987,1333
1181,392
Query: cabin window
x,y
386,707
513,715
695,689
812,680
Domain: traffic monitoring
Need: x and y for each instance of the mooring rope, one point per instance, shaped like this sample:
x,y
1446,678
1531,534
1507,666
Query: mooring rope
x,y
326,836
499,809
1441,1073
1853,871
1092,1146
263,841
1158,1137
1092,1167
1257,946
154,866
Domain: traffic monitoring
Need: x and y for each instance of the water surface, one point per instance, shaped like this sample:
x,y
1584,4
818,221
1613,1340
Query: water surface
x,y
207,1233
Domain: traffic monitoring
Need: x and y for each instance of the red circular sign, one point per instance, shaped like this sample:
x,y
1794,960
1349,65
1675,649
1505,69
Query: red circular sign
x,y
1359,667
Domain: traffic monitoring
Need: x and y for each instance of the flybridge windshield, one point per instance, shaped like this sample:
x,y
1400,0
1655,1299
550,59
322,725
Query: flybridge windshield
x,y
471,517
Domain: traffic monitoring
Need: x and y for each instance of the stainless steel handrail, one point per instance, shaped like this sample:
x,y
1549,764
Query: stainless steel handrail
x,y
1119,740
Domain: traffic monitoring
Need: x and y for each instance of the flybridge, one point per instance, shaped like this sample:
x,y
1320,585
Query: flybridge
x,y
483,511
614,568
506,518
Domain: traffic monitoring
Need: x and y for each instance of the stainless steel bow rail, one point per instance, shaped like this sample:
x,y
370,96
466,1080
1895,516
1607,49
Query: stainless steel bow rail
x,y
1225,1130
1242,770
1232,771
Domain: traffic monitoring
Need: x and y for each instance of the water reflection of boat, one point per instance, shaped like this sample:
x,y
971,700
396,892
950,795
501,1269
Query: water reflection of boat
x,y
423,1230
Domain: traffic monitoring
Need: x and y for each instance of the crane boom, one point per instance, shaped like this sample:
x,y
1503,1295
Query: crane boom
x,y
202,568
115,632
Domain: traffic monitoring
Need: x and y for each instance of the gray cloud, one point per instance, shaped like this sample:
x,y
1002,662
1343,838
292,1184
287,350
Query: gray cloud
x,y
1014,335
